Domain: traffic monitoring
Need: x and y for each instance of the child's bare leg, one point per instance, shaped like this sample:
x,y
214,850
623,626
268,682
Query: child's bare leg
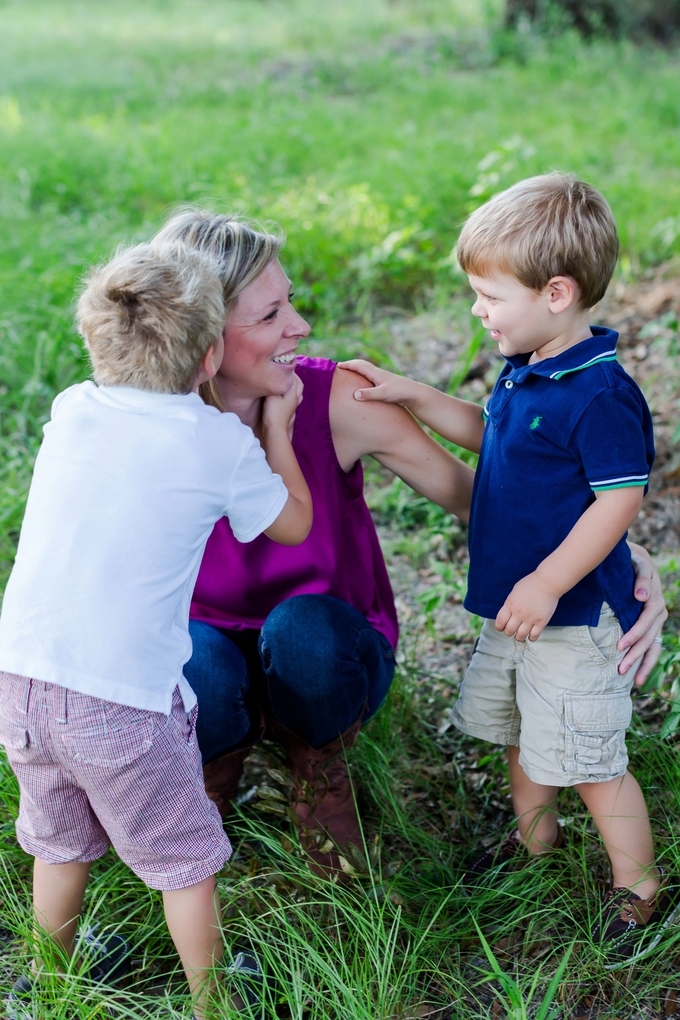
x,y
620,814
193,919
535,807
58,891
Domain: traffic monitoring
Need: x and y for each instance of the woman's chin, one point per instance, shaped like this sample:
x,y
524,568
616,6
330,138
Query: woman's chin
x,y
281,377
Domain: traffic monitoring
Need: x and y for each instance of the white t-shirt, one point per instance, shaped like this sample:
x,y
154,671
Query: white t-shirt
x,y
126,489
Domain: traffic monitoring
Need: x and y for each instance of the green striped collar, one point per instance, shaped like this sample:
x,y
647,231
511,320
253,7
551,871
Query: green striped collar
x,y
595,350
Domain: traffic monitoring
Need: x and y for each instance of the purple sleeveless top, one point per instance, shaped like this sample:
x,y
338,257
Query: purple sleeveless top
x,y
239,584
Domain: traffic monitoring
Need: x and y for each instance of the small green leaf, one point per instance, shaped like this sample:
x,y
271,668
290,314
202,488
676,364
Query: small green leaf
x,y
269,793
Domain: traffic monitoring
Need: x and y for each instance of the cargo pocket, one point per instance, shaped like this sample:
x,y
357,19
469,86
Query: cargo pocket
x,y
595,733
112,749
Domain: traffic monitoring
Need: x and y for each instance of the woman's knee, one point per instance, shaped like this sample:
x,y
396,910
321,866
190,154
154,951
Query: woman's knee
x,y
315,644
311,634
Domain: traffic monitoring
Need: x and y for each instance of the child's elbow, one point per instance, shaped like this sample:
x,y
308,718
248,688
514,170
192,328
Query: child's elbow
x,y
296,534
293,525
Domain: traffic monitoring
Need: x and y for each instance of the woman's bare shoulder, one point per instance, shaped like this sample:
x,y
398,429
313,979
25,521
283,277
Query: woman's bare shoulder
x,y
363,428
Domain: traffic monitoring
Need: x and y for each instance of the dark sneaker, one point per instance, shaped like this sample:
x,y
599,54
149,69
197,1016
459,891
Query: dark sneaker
x,y
245,978
107,957
18,1002
630,927
499,858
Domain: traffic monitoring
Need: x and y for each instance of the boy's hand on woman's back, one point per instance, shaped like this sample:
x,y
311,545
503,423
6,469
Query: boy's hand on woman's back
x,y
528,609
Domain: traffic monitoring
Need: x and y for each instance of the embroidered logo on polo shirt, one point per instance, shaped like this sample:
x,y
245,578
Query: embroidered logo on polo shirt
x,y
537,419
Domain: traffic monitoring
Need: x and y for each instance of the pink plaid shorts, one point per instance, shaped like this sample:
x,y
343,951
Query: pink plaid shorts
x,y
93,774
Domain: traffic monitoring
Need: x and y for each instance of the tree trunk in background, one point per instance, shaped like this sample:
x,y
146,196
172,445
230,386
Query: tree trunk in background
x,y
637,19
514,9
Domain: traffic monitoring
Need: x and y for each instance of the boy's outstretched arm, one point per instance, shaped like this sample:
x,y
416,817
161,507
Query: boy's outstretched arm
x,y
294,522
459,421
532,602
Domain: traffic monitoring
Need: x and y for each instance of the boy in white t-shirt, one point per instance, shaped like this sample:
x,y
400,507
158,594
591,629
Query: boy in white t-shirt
x,y
96,717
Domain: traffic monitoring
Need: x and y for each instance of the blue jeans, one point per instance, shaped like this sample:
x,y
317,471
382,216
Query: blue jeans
x,y
313,666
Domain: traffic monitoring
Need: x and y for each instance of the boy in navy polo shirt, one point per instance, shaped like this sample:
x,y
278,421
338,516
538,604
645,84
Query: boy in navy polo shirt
x,y
566,447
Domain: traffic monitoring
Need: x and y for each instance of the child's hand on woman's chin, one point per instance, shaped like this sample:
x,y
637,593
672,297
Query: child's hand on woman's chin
x,y
279,409
527,610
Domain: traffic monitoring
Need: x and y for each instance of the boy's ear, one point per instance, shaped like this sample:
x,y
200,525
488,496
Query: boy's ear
x,y
210,364
564,293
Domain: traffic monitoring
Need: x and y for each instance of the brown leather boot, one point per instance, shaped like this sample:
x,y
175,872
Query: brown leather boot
x,y
323,794
221,777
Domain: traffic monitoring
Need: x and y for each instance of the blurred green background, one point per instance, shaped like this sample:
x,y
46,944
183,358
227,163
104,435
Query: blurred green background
x,y
367,129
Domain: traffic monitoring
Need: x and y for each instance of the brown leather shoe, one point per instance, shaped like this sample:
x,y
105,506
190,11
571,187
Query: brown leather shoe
x,y
630,927
323,795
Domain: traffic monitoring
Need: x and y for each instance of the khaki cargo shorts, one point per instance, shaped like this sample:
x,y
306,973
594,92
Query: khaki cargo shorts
x,y
560,699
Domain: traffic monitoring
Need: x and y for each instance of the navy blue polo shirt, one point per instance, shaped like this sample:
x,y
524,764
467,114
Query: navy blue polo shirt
x,y
557,431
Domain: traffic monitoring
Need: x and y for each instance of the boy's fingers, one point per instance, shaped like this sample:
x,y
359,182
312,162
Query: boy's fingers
x,y
370,393
512,626
364,368
522,632
502,618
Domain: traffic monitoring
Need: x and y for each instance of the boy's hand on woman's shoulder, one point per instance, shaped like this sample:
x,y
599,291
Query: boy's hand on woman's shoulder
x,y
528,609
387,386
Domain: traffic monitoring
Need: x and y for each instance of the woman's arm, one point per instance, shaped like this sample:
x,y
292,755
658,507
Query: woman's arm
x,y
641,638
389,433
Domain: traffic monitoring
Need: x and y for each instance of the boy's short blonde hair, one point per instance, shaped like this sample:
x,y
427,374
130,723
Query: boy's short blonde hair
x,y
149,316
552,225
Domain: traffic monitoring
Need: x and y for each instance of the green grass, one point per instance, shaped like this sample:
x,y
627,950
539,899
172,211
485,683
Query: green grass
x,y
369,130
400,936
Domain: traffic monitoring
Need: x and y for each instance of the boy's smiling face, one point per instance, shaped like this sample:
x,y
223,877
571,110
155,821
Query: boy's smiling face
x,y
519,318
523,321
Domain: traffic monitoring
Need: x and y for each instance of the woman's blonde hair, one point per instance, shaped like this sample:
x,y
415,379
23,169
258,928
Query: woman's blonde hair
x,y
240,248
149,315
551,225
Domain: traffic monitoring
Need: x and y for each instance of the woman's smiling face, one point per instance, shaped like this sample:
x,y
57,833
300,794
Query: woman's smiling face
x,y
261,337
